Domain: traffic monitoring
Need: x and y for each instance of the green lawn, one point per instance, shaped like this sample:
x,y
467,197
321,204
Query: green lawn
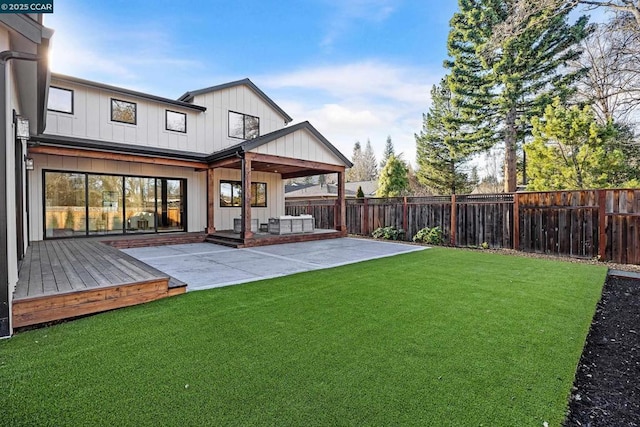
x,y
441,337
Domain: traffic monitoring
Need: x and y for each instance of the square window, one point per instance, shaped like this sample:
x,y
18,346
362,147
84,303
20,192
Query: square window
x,y
175,121
231,194
123,111
243,126
60,100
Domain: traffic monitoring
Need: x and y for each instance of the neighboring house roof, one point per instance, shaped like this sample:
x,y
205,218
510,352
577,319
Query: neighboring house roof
x,y
369,188
188,96
329,190
250,144
127,92
317,191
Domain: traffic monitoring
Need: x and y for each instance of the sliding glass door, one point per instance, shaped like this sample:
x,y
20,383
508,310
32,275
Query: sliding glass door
x,y
80,204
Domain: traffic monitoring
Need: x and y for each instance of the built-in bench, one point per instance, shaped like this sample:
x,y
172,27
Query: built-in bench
x,y
237,225
288,224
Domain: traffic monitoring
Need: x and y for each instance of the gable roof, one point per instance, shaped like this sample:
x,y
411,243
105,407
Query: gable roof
x,y
127,92
250,144
188,96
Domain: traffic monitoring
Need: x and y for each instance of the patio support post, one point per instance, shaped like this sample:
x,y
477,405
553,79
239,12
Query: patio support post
x,y
341,221
246,232
210,202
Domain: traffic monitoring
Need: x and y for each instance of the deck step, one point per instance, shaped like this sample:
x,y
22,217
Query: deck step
x,y
154,240
224,241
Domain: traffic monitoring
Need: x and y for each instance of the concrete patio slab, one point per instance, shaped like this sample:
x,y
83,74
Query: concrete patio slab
x,y
206,265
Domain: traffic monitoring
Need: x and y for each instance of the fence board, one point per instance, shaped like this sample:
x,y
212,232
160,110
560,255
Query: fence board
x,y
575,223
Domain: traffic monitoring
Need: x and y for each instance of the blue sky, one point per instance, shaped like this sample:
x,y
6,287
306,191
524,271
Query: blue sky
x,y
356,69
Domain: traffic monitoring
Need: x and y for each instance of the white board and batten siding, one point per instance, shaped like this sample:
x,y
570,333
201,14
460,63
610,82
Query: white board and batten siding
x,y
207,132
196,184
223,219
302,145
91,119
213,124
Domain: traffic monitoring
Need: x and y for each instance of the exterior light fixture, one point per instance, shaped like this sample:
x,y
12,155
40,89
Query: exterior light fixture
x,y
22,128
28,163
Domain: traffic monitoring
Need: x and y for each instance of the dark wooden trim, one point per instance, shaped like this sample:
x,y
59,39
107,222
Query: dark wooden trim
x,y
602,224
94,154
516,221
454,219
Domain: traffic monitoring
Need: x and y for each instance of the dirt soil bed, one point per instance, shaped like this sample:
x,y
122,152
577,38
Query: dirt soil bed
x,y
606,391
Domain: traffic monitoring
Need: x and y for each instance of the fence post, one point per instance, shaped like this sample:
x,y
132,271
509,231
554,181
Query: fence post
x,y
404,215
454,214
365,217
602,224
515,230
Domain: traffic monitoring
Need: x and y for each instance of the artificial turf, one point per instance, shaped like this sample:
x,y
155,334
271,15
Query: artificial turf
x,y
440,337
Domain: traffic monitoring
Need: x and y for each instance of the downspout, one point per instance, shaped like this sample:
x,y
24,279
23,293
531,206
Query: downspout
x,y
5,57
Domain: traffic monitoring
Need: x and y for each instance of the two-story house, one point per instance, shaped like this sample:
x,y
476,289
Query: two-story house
x,y
84,158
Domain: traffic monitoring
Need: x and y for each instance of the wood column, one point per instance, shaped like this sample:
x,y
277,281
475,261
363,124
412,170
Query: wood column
x,y
246,232
341,220
210,202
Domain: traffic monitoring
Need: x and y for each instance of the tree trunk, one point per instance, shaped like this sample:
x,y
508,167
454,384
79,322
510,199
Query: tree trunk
x,y
510,154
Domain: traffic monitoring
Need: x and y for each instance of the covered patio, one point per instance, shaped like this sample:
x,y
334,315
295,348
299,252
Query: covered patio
x,y
259,155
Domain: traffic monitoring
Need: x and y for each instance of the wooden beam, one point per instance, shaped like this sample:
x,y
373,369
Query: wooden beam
x,y
341,220
210,201
232,161
246,232
287,161
105,155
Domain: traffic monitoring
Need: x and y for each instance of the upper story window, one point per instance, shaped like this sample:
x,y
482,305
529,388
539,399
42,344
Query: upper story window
x,y
175,121
60,100
243,126
123,111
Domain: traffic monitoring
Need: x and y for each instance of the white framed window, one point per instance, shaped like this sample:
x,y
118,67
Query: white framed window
x,y
175,121
60,100
243,126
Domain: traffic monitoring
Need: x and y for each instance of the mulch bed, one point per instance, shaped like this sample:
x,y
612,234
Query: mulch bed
x,y
606,391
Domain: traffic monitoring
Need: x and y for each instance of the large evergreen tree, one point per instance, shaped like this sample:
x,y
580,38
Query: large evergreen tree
x,y
441,150
499,85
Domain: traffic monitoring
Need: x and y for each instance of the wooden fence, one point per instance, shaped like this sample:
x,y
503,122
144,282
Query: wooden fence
x,y
581,223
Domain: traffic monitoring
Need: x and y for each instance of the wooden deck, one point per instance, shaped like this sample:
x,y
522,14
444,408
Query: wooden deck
x,y
61,279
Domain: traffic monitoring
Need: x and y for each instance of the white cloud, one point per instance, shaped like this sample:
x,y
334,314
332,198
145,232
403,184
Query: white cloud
x,y
352,13
358,101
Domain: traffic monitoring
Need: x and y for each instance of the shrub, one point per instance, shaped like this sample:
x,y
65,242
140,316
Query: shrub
x,y
431,236
387,233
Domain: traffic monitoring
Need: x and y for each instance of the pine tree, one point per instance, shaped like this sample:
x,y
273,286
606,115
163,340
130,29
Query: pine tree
x,y
354,173
389,151
393,181
500,85
369,164
442,152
